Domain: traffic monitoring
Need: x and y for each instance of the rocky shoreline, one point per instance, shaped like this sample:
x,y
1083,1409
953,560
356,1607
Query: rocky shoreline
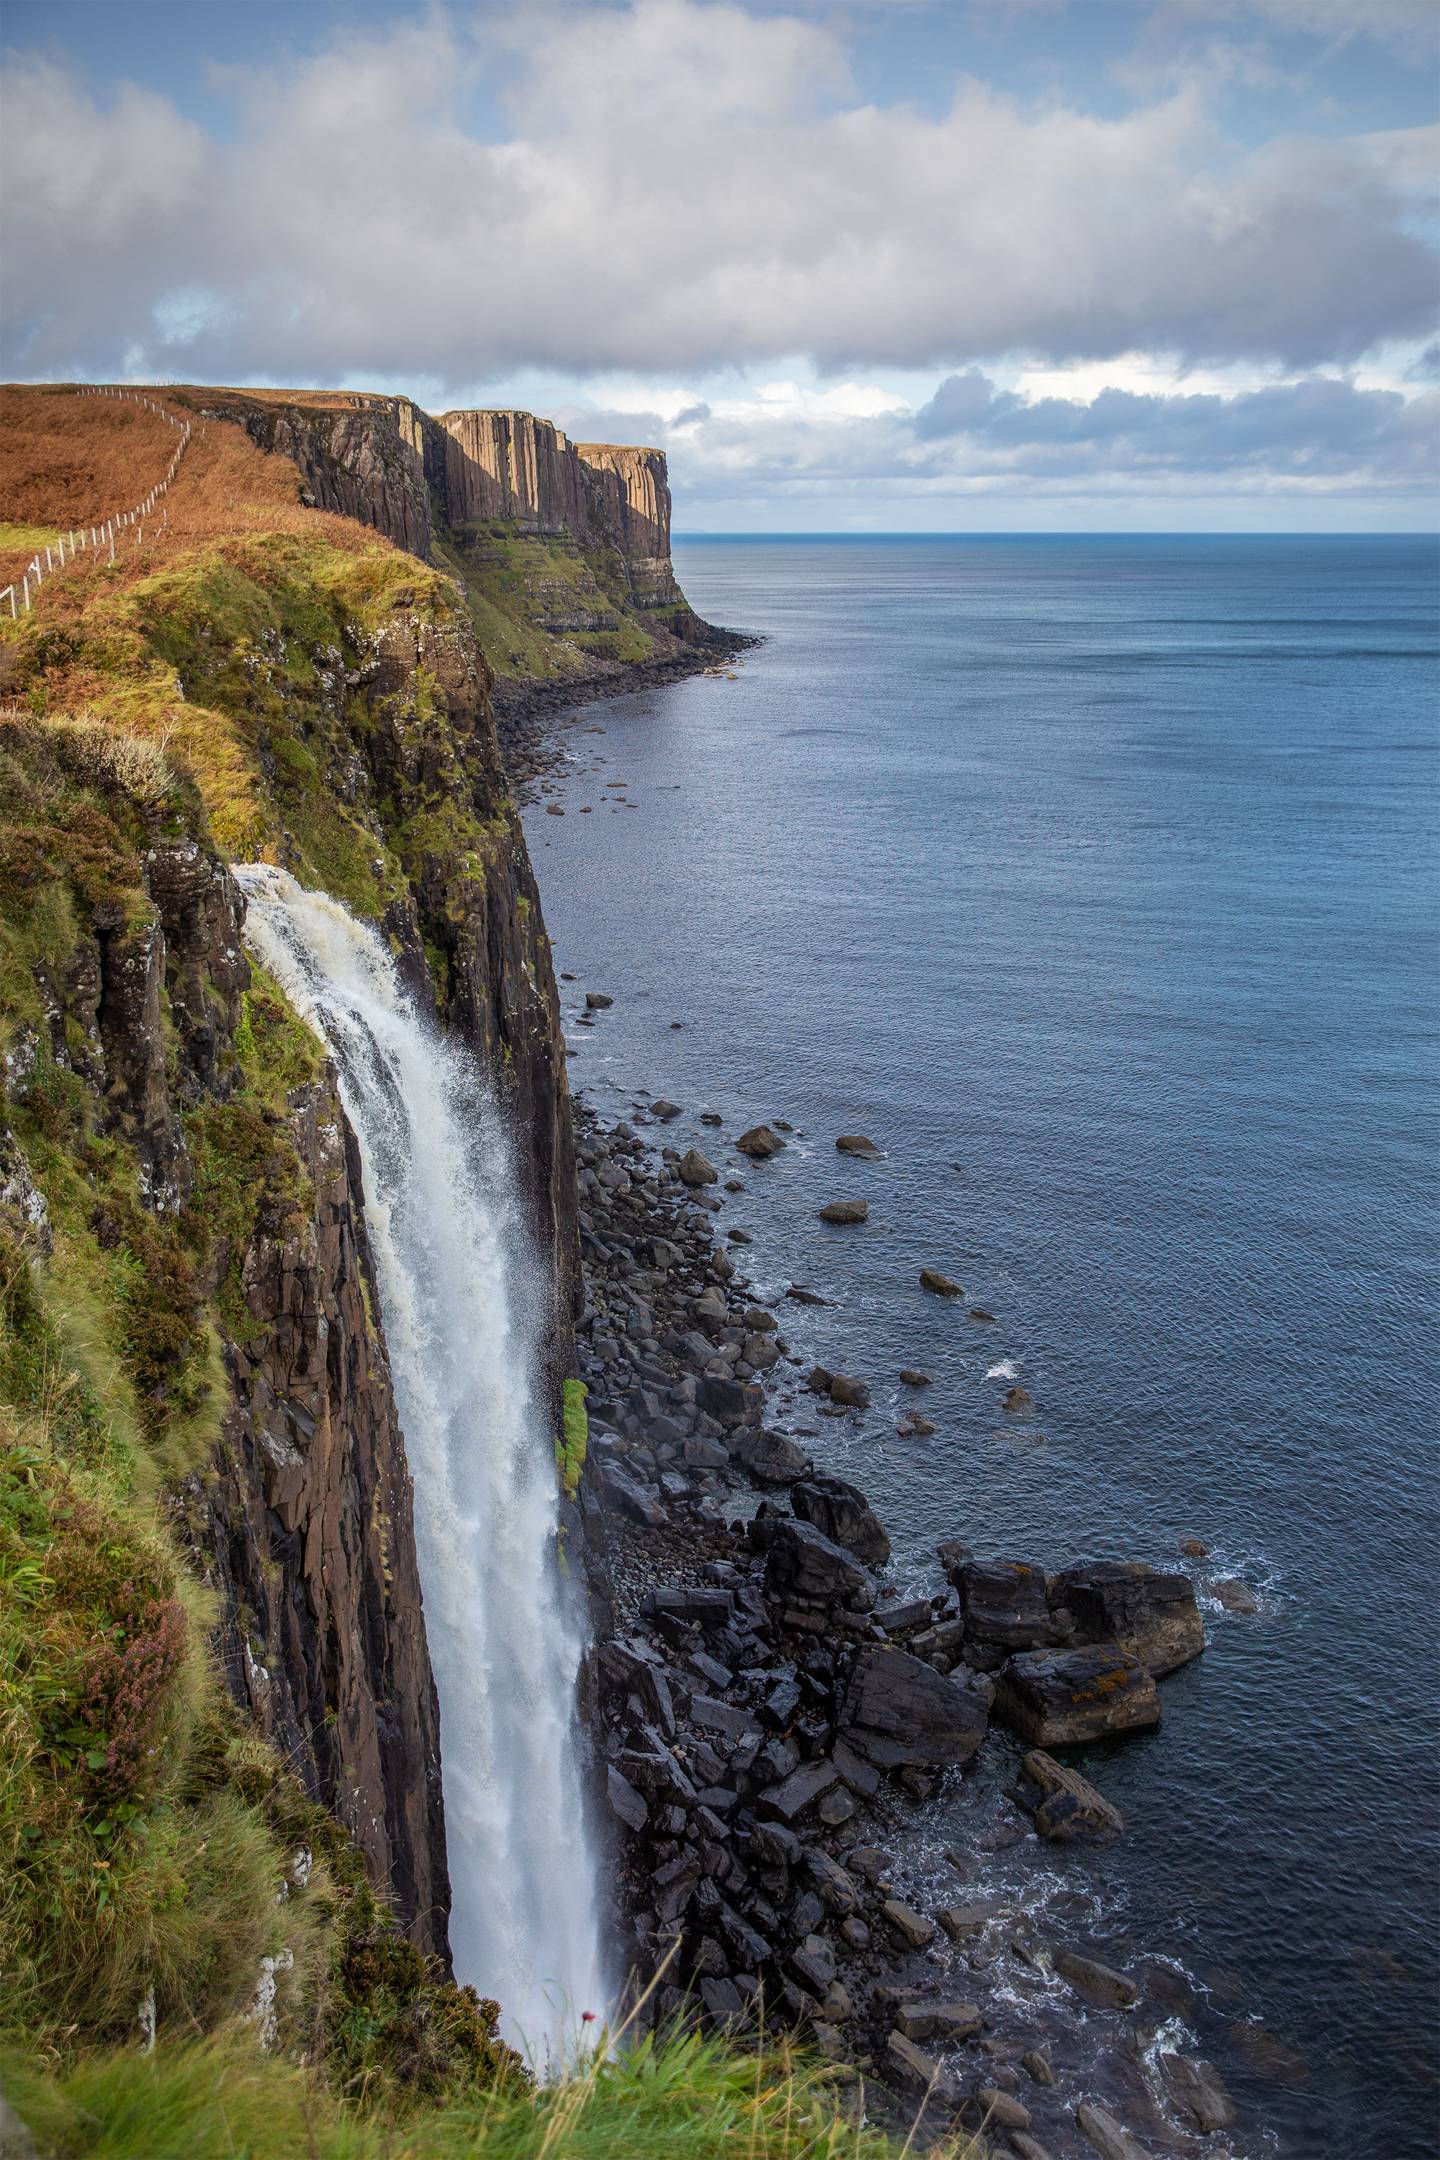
x,y
526,713
773,1717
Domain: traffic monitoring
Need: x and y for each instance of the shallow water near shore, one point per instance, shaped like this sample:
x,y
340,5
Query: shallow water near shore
x,y
1094,879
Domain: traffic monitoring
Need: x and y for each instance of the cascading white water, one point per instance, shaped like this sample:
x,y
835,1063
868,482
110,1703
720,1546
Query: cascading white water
x,y
460,1300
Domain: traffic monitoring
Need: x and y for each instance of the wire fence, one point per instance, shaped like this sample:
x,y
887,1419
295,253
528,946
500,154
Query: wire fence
x,y
92,538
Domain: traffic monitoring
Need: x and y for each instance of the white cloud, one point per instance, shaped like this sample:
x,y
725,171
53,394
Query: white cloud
x,y
682,187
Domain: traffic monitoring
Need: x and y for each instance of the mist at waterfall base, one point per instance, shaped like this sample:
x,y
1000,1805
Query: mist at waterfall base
x,y
1096,880
459,1292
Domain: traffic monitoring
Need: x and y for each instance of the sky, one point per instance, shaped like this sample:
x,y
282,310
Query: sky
x,y
891,265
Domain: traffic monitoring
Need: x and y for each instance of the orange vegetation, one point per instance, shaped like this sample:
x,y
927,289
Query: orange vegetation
x,y
67,458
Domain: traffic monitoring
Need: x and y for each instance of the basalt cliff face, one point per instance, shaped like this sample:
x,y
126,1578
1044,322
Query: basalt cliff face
x,y
323,703
563,548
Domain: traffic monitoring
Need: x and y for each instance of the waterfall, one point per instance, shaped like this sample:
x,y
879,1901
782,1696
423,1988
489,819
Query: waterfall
x,y
463,1301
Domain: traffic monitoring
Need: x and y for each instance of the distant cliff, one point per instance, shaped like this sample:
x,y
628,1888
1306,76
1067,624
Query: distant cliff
x,y
563,548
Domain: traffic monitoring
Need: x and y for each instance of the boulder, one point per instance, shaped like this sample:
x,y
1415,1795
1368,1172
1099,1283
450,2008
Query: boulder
x,y
1056,1698
911,2066
729,1402
596,1000
1000,2110
760,1143
845,1211
664,1110
1153,1616
771,1458
852,1393
1099,1984
805,1565
1193,1548
1004,1602
1235,1596
695,1170
1062,1804
631,1499
912,1376
1198,2092
932,1278
912,1927
844,1515
854,1143
1109,2138
1017,1398
897,1711
949,2022
630,1805
799,1792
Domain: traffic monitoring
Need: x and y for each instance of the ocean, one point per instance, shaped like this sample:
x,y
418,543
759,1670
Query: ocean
x,y
1095,880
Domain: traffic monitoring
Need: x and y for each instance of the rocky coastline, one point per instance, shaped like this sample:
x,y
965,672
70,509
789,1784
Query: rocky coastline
x,y
772,1715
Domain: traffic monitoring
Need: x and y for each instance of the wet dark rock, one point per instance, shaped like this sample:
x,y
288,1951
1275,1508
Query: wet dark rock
x,y
942,1285
845,1211
844,1515
1064,1805
912,1927
799,1792
985,1319
771,1458
760,1143
803,1564
1056,1698
1109,2138
834,1887
596,1001
912,1426
1003,1602
1017,1398
729,1402
1037,2067
1153,1616
960,1922
1099,1984
1000,2110
1235,1596
948,2022
857,1145
694,1170
911,2067
631,1498
912,1376
898,1711
803,1295
1198,2092
1193,1548
850,1393
664,1110
628,1804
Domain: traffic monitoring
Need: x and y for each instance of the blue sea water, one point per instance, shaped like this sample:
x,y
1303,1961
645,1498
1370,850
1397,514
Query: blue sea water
x,y
1095,879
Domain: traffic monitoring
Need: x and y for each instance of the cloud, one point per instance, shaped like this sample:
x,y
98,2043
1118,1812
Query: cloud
x,y
972,439
672,187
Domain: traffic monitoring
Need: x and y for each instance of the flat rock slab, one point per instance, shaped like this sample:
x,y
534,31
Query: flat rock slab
x,y
1064,1805
1057,1698
1109,2138
1099,1984
948,2022
912,2067
912,1927
1004,1602
899,1712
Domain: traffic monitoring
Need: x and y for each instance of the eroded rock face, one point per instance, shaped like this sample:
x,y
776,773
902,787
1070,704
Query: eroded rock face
x,y
309,1539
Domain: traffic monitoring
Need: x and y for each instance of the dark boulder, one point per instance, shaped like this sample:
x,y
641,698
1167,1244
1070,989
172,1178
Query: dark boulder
x,y
1004,1602
1054,1698
729,1402
760,1143
1199,2092
898,1711
844,1515
771,1458
1153,1616
804,1565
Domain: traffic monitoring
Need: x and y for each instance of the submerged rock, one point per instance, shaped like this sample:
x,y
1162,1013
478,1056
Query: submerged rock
x,y
1099,1984
1109,2138
1017,1398
1198,2092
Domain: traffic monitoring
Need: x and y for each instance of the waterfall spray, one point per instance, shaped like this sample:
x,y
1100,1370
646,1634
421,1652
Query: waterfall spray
x,y
461,1299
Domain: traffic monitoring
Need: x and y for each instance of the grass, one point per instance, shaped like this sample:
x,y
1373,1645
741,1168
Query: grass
x,y
678,2098
574,1437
